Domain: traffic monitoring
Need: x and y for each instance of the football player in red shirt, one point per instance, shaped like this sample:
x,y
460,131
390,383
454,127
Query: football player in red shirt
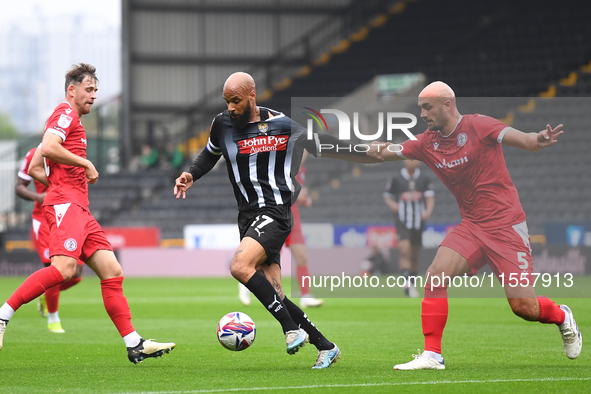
x,y
465,152
61,164
296,242
48,303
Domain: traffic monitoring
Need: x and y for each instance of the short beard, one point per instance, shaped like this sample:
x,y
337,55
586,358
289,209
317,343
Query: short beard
x,y
241,121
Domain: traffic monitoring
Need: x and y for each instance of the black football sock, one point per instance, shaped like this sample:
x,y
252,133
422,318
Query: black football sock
x,y
413,275
405,274
266,294
316,337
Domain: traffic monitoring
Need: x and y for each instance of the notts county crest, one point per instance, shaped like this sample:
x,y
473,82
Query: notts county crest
x,y
263,127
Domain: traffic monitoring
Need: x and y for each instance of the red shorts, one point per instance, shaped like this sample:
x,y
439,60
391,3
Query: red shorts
x,y
74,232
507,251
296,236
40,239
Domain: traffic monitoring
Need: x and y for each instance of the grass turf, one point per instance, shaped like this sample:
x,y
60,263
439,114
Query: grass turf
x,y
487,349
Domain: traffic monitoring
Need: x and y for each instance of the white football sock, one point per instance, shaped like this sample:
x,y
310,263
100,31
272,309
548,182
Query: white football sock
x,y
566,318
433,355
6,312
132,340
53,317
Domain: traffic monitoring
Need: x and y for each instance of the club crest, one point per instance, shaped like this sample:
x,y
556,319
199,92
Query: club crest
x,y
263,127
70,244
462,139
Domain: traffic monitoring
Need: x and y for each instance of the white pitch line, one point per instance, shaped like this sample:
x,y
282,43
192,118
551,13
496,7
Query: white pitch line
x,y
318,386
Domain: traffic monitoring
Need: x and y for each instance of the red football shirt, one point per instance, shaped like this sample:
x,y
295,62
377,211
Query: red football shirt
x,y
301,175
470,163
39,187
67,184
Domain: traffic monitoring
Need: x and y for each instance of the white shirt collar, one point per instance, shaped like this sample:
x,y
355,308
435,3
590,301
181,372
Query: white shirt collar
x,y
405,175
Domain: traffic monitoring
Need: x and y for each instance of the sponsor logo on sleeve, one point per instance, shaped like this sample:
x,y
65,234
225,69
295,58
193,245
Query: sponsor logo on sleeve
x,y
64,121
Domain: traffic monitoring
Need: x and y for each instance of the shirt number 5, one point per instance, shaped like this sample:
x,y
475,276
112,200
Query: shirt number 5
x,y
521,258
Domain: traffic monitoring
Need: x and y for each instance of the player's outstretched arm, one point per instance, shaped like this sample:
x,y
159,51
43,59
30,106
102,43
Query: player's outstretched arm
x,y
384,151
52,149
361,158
328,146
182,184
533,141
37,170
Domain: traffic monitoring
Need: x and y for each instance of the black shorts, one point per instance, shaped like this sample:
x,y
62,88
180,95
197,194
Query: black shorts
x,y
414,235
269,226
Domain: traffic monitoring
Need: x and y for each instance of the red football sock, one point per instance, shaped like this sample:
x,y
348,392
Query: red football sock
x,y
434,317
550,313
34,286
52,297
303,271
116,305
70,283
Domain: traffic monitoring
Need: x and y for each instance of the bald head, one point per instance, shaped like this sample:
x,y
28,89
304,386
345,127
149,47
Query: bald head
x,y
239,83
240,96
438,107
437,89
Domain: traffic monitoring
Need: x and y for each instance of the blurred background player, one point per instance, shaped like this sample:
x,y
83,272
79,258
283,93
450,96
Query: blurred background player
x,y
374,264
465,152
409,194
61,164
296,242
48,303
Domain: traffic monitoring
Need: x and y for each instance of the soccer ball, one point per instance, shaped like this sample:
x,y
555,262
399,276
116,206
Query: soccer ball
x,y
236,331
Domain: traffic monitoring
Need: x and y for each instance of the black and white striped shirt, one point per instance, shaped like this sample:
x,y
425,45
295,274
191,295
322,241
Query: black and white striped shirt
x,y
410,192
262,159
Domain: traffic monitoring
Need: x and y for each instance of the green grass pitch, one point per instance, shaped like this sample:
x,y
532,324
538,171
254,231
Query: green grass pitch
x,y
487,349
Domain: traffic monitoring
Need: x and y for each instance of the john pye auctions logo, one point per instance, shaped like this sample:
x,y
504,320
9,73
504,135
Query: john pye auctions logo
x,y
263,143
